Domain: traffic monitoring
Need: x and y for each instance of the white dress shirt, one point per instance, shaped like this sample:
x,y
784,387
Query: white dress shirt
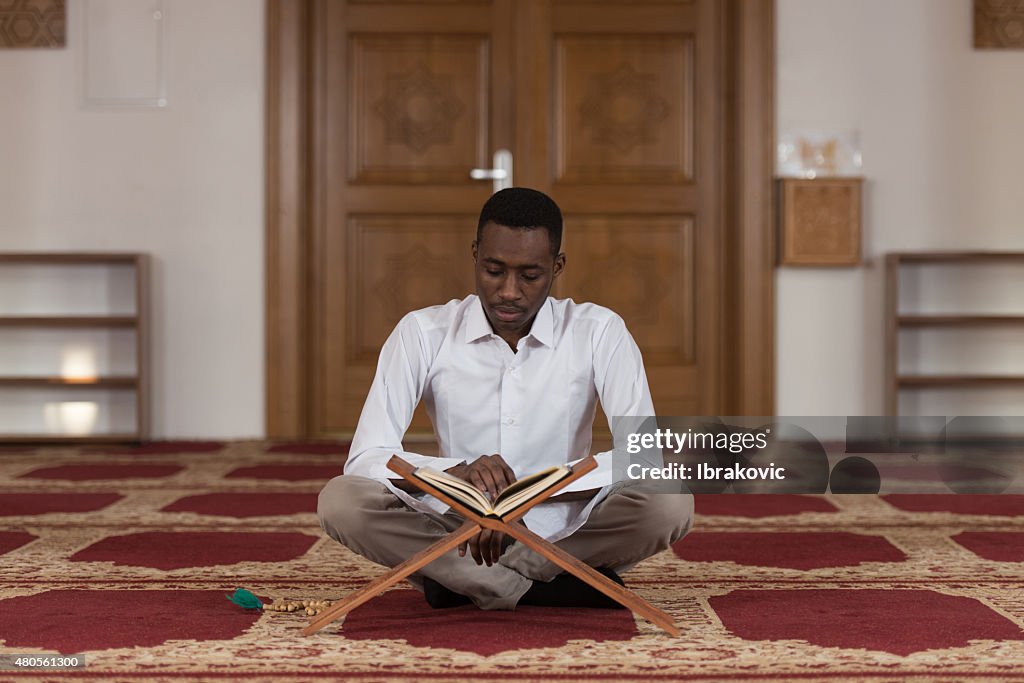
x,y
534,407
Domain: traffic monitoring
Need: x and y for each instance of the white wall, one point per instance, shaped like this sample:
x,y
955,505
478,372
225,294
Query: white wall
x,y
942,132
184,183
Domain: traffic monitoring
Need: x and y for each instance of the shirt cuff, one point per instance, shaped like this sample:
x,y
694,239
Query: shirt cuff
x,y
381,471
373,463
597,478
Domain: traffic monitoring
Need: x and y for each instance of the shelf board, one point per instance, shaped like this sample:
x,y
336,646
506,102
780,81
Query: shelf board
x,y
7,439
68,257
68,321
957,256
959,380
958,320
101,382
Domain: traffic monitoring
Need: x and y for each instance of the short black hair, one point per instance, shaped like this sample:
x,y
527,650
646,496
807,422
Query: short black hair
x,y
521,207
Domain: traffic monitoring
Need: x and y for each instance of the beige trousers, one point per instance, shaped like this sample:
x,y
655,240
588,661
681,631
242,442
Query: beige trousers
x,y
629,525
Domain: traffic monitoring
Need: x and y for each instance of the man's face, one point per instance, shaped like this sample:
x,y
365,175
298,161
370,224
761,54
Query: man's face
x,y
514,273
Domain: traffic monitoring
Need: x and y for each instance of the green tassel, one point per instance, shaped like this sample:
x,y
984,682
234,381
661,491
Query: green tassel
x,y
245,599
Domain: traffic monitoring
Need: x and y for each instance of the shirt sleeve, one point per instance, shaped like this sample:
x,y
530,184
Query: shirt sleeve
x,y
396,391
621,384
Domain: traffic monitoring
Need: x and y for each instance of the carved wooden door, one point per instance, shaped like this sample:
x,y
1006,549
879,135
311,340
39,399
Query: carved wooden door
x,y
614,108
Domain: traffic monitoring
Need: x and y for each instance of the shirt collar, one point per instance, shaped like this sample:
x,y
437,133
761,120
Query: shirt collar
x,y
543,328
477,325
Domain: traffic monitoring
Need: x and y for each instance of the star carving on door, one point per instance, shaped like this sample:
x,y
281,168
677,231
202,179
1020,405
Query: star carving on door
x,y
419,109
622,108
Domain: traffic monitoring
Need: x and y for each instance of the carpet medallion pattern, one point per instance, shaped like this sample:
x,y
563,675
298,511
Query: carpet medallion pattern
x,y
125,555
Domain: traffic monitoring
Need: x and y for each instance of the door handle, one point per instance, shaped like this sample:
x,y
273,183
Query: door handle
x,y
501,174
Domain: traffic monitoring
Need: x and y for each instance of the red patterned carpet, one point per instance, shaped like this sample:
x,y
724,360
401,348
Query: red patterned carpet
x,y
125,555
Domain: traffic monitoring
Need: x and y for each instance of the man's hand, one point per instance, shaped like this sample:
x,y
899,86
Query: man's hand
x,y
491,474
487,546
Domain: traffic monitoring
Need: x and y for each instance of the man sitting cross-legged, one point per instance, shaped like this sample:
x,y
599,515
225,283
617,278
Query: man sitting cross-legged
x,y
511,379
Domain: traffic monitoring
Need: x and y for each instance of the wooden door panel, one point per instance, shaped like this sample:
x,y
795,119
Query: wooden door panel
x,y
643,269
395,264
398,264
418,108
623,109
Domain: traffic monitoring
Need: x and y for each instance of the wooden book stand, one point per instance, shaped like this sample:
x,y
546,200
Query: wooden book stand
x,y
473,525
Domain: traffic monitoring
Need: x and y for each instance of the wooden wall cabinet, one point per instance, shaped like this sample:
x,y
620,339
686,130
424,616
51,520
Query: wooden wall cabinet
x,y
819,221
73,347
991,306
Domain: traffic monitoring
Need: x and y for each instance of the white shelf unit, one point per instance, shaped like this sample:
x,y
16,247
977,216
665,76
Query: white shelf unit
x,y
73,347
955,333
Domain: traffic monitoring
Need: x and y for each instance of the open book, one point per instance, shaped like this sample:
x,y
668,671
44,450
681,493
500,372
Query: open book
x,y
510,498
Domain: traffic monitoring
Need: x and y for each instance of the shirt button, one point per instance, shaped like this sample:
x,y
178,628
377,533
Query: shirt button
x,y
509,420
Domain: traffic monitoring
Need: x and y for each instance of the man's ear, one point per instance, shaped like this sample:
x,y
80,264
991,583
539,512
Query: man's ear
x,y
559,265
474,251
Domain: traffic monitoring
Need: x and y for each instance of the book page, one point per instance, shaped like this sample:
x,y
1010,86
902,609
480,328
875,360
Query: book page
x,y
457,488
528,488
